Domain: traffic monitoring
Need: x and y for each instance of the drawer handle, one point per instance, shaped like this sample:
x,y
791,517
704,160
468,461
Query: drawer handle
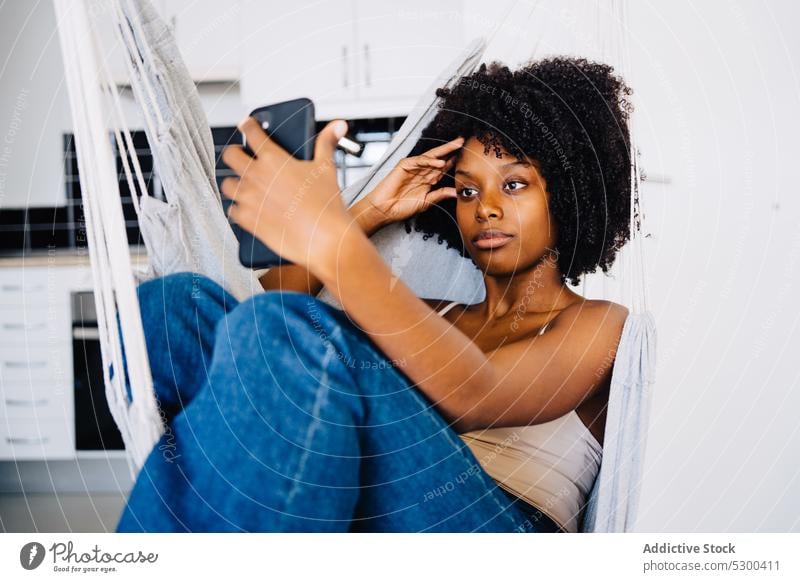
x,y
26,441
345,82
85,333
20,402
367,68
38,287
37,364
24,327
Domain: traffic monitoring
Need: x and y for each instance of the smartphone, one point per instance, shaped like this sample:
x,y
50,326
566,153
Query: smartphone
x,y
290,124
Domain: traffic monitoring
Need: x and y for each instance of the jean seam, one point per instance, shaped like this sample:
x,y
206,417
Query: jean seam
x,y
320,398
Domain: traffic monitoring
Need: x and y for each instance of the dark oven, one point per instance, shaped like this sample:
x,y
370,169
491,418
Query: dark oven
x,y
95,428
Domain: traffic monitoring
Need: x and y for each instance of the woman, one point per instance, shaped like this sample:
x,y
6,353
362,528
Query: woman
x,y
400,413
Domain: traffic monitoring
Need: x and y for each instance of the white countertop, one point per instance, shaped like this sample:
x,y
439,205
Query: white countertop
x,y
64,257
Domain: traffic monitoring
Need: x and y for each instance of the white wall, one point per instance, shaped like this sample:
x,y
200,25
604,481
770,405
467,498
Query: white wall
x,y
716,91
717,87
33,106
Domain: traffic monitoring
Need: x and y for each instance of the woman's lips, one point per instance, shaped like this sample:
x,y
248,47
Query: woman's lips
x,y
493,242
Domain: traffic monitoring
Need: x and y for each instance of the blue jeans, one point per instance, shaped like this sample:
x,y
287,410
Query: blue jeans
x,y
283,415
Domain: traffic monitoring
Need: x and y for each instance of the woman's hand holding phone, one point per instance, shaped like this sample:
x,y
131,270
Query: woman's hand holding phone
x,y
406,190
292,206
295,207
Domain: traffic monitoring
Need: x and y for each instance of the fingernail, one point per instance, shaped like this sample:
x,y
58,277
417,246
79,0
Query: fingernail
x,y
340,128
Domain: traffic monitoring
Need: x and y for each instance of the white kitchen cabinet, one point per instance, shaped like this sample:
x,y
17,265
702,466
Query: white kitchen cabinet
x,y
110,48
37,416
34,438
402,46
207,34
354,59
302,49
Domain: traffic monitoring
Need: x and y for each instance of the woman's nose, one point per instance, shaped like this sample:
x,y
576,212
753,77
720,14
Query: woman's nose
x,y
488,208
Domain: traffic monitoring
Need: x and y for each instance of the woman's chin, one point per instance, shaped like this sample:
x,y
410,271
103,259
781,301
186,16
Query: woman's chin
x,y
496,266
501,262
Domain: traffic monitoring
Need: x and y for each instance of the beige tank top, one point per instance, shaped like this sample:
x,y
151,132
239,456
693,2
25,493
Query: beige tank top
x,y
552,465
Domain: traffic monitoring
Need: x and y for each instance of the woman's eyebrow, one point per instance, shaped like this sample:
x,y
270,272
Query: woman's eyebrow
x,y
517,163
503,167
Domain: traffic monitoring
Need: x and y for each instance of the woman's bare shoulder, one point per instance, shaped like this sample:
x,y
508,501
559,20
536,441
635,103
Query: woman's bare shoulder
x,y
591,312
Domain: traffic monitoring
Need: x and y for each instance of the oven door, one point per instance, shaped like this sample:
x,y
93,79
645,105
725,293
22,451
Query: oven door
x,y
95,428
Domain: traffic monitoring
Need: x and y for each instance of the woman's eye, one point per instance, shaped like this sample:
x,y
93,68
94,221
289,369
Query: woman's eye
x,y
464,192
520,184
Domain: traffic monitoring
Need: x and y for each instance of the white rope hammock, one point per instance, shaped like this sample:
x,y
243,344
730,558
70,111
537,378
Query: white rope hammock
x,y
190,232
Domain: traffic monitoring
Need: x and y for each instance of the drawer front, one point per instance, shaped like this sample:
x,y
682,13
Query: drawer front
x,y
30,288
35,402
42,285
50,365
34,325
46,439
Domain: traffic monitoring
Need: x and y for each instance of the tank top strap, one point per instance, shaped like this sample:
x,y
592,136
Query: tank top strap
x,y
450,305
447,308
544,327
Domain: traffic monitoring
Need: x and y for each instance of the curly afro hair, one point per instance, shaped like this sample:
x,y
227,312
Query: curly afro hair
x,y
571,116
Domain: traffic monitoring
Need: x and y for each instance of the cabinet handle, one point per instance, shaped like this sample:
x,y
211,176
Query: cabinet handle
x,y
24,327
367,72
26,441
85,333
18,402
345,80
17,365
38,287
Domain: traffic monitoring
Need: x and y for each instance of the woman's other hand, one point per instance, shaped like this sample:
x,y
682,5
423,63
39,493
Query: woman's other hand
x,y
406,190
292,206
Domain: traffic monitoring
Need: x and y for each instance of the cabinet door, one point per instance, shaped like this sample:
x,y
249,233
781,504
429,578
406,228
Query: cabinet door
x,y
110,47
38,438
208,34
298,49
403,46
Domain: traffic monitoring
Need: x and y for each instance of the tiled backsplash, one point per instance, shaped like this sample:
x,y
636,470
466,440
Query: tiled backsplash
x,y
31,230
